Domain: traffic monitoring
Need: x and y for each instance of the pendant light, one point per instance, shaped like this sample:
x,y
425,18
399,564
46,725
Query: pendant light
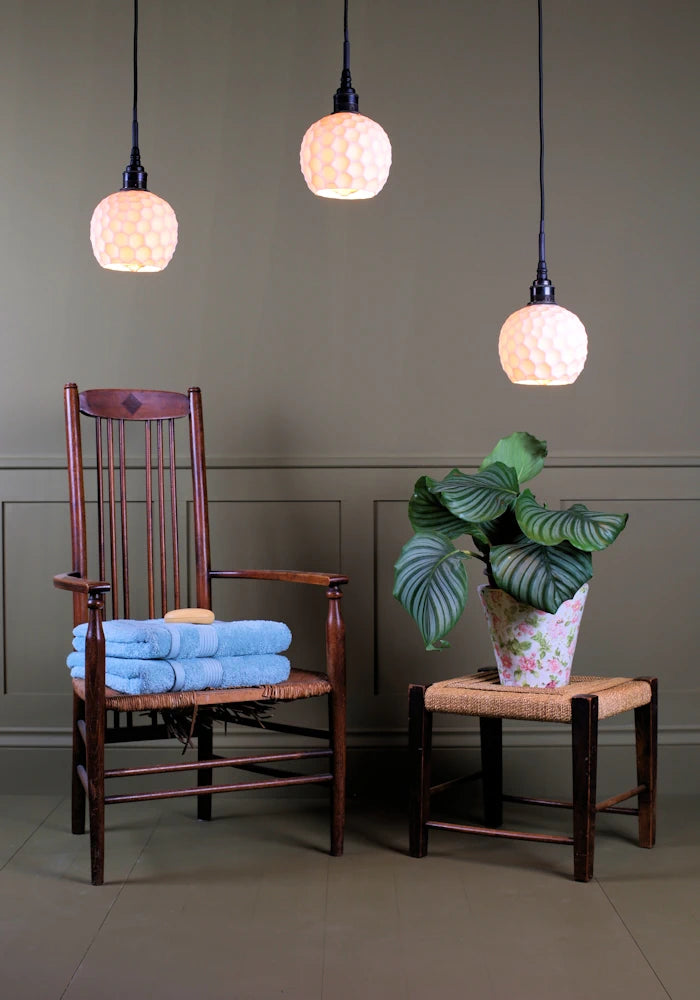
x,y
346,154
543,343
133,229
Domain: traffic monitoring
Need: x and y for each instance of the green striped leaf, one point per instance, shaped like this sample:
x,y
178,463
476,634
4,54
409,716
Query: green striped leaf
x,y
588,530
481,497
543,576
427,513
522,452
430,581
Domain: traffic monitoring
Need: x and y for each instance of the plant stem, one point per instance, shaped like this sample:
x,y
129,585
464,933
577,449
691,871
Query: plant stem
x,y
487,564
474,555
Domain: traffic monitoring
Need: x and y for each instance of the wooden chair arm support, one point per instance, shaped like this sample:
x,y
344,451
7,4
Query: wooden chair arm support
x,y
71,581
283,575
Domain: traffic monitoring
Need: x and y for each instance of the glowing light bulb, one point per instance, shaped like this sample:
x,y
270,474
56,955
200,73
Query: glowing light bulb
x,y
345,155
133,230
543,344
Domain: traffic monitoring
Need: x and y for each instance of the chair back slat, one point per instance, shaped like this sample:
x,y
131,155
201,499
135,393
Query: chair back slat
x,y
101,572
149,520
112,517
161,521
123,508
173,514
123,557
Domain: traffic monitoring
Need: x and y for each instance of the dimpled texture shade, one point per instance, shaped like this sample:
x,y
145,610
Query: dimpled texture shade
x,y
133,230
543,344
345,155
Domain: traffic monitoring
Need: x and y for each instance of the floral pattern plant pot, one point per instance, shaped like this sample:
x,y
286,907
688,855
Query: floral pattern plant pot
x,y
533,648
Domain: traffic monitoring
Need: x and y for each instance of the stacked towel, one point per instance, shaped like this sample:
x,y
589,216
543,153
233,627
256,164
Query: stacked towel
x,y
153,656
155,639
134,676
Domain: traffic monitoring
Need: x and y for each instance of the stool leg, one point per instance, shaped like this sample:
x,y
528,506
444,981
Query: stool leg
x,y
584,746
420,731
645,726
492,769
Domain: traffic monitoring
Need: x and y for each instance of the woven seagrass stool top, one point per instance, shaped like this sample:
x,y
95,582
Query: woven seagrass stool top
x,y
482,694
299,684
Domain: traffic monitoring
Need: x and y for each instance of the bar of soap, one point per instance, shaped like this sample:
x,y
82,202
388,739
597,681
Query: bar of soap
x,y
192,616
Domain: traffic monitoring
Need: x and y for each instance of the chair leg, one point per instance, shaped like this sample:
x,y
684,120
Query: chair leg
x,y
420,731
77,790
205,751
645,725
336,728
95,756
584,745
492,769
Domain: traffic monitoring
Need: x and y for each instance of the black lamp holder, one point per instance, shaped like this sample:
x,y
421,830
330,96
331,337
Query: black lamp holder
x,y
542,289
135,177
345,97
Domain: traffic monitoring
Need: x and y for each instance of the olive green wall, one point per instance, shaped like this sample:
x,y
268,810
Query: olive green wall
x,y
343,349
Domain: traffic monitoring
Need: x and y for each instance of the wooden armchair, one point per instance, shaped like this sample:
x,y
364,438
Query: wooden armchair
x,y
113,411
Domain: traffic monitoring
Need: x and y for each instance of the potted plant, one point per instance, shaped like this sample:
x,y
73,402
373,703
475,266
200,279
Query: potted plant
x,y
537,561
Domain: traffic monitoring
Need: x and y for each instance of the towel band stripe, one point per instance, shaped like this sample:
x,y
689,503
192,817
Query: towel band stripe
x,y
213,673
175,635
208,640
179,675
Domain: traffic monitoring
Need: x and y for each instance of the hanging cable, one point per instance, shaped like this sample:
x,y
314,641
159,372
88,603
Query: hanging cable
x,y
134,175
345,98
134,118
542,259
346,41
541,289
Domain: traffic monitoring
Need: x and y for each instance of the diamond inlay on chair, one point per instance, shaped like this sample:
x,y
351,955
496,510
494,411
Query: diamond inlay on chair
x,y
132,403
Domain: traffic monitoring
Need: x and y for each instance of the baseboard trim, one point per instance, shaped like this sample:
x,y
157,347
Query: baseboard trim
x,y
533,737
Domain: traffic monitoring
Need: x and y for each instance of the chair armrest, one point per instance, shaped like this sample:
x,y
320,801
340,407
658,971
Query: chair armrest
x,y
335,627
71,581
283,575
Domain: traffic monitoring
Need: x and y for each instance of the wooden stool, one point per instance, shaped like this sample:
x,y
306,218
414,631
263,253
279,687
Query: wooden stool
x,y
581,703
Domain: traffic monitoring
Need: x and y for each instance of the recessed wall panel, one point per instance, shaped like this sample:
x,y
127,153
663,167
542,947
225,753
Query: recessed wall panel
x,y
38,618
642,609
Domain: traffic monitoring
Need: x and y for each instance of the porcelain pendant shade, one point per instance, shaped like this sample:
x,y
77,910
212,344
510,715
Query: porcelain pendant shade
x,y
345,155
133,230
543,344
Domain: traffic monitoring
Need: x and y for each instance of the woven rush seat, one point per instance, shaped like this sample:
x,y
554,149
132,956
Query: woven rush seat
x,y
581,704
299,684
482,695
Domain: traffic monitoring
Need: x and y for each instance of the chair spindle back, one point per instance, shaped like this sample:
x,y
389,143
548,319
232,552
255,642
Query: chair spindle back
x,y
113,411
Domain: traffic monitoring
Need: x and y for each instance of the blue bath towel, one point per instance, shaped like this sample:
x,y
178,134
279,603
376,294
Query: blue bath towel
x,y
155,639
134,676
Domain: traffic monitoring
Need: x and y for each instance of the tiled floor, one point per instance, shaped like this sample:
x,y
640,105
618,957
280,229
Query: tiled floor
x,y
250,907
